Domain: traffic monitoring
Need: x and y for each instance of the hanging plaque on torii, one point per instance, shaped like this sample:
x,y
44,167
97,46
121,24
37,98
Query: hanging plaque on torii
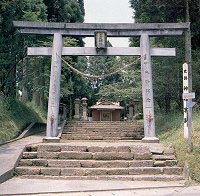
x,y
99,30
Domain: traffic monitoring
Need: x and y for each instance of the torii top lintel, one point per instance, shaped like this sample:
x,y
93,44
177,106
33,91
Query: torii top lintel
x,y
113,29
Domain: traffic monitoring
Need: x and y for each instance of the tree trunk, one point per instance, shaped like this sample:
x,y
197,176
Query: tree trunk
x,y
36,81
36,98
24,97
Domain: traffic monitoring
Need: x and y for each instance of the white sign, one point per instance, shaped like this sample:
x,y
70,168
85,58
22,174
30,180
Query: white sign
x,y
101,39
188,95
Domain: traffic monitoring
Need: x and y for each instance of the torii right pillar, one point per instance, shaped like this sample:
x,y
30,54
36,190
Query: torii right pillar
x,y
147,91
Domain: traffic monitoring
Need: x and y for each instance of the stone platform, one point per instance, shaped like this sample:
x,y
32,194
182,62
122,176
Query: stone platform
x,y
100,160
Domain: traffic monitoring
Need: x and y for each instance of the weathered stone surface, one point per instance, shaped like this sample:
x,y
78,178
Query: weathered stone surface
x,y
50,171
29,155
48,155
27,171
123,149
49,148
169,151
87,163
156,150
141,163
94,172
160,163
74,148
64,163
152,170
111,164
110,149
95,149
75,155
141,152
81,137
124,171
112,156
25,162
164,157
39,162
72,172
95,137
173,170
135,171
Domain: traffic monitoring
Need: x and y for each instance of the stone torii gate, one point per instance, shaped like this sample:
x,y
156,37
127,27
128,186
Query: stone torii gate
x,y
144,31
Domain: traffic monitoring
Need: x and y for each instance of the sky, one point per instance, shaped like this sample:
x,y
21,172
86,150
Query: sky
x,y
108,11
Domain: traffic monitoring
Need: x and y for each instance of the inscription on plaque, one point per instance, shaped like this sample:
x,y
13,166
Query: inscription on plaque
x,y
100,39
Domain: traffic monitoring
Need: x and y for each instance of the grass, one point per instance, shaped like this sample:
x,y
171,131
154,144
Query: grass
x,y
170,132
16,116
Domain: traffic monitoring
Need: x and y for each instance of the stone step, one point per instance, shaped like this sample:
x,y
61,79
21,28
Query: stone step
x,y
81,155
56,171
107,126
91,135
88,163
102,132
164,178
103,129
81,131
159,153
98,153
85,137
102,122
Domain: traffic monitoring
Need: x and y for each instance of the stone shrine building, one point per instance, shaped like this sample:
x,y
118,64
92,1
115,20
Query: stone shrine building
x,y
106,111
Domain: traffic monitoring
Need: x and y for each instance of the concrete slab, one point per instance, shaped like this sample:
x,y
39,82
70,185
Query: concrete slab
x,y
10,153
192,191
25,186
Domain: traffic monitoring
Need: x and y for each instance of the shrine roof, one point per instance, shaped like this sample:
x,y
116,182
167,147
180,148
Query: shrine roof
x,y
107,105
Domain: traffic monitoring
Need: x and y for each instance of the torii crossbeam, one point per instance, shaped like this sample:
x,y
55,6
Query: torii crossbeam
x,y
144,31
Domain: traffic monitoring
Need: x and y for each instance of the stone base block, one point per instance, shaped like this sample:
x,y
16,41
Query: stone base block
x,y
51,140
150,140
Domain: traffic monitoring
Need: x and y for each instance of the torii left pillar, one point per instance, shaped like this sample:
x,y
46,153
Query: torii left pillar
x,y
54,89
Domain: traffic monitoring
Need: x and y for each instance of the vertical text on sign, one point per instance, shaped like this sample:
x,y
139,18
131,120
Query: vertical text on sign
x,y
101,39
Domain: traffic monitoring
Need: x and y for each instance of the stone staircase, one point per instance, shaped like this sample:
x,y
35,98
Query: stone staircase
x,y
86,160
103,130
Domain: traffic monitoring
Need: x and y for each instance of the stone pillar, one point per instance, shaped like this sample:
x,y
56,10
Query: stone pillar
x,y
77,109
54,89
147,90
84,105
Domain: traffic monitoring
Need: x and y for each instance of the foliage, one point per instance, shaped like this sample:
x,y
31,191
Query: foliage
x,y
65,10
128,83
171,133
16,116
167,72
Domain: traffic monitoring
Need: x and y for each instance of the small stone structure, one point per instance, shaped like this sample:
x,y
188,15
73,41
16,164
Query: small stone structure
x,y
77,109
84,107
106,111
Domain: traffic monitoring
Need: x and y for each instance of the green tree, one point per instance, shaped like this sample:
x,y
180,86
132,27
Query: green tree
x,y
167,73
12,43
